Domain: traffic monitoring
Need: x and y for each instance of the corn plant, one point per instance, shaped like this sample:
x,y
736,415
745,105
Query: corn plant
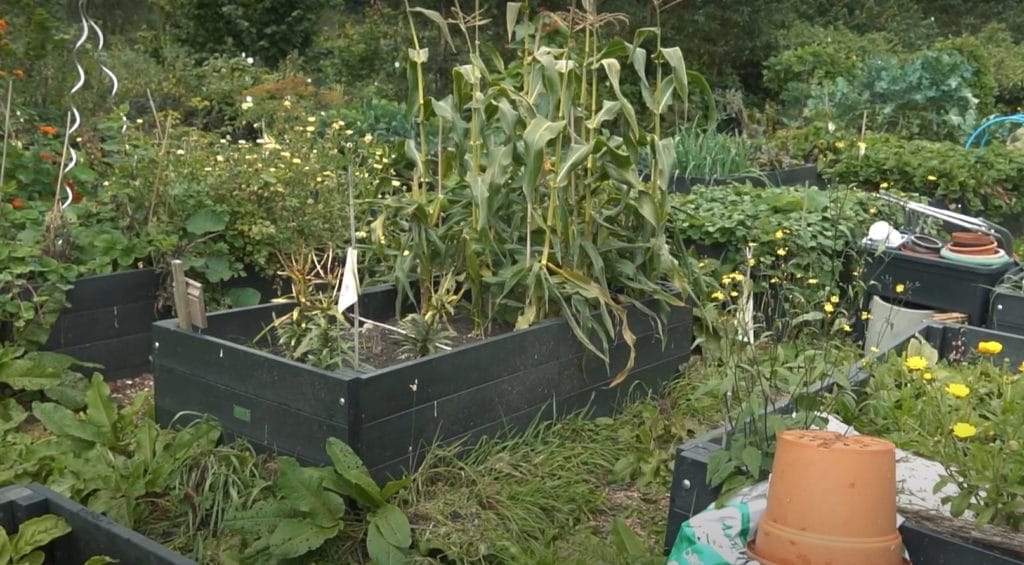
x,y
524,177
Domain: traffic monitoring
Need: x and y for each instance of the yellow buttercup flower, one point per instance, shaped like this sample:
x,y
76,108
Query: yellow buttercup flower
x,y
717,295
958,390
734,294
847,328
926,376
829,308
915,363
781,252
778,234
963,430
865,315
932,178
989,347
834,299
900,288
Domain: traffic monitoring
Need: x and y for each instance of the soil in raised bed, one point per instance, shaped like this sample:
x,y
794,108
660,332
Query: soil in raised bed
x,y
380,347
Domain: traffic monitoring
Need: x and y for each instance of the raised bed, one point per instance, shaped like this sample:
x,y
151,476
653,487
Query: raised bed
x,y
1007,309
91,534
108,321
690,492
932,283
390,416
806,175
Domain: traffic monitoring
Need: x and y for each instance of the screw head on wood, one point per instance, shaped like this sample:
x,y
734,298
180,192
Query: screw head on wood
x,y
686,484
341,401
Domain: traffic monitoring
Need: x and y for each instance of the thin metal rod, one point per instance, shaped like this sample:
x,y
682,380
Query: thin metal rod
x,y
352,236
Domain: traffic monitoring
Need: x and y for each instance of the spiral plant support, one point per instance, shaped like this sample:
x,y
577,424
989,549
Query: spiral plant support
x,y
76,118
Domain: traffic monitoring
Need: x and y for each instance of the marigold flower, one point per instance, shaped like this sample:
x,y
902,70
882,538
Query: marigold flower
x,y
927,376
17,203
48,130
717,295
829,308
3,25
958,390
915,363
963,430
989,347
900,288
781,252
18,74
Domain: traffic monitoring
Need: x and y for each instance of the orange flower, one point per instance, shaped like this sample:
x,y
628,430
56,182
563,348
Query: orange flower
x,y
3,25
17,203
47,156
18,73
75,197
48,130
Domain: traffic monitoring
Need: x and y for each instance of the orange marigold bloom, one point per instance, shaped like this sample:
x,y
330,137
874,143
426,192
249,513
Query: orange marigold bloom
x,y
17,203
48,130
47,156
18,73
3,25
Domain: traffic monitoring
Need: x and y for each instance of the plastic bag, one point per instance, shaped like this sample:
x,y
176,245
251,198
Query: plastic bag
x,y
719,536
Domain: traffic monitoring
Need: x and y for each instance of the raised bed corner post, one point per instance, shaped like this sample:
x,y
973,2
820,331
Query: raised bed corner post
x,y
189,303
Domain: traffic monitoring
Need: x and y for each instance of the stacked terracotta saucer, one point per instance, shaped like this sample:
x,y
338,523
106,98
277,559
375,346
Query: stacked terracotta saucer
x,y
972,248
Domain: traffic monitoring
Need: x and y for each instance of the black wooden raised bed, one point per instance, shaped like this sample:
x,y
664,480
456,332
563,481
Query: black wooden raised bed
x,y
932,283
91,534
691,494
390,416
805,175
1006,313
108,321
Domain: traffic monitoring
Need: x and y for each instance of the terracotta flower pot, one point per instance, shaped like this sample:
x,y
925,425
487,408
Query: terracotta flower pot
x,y
971,239
978,250
920,244
832,499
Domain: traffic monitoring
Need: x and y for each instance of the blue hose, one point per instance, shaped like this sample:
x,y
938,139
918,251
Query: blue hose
x,y
981,131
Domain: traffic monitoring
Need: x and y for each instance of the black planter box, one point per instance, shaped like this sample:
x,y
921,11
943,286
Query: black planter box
x,y
91,534
1006,313
806,175
108,322
390,416
933,283
691,494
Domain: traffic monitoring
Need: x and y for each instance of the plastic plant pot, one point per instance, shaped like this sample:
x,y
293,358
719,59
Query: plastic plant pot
x,y
995,259
832,499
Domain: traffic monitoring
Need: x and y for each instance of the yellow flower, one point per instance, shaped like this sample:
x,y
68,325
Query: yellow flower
x,y
1021,367
781,252
847,328
862,145
751,262
733,293
717,295
958,390
775,280
874,349
778,234
812,281
865,315
840,144
932,178
963,430
926,376
834,299
884,185
915,363
736,276
900,288
989,347
829,308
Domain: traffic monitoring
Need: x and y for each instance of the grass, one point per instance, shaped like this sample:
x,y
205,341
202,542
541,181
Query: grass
x,y
550,495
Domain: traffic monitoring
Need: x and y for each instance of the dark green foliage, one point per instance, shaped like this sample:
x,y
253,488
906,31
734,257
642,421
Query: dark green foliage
x,y
266,29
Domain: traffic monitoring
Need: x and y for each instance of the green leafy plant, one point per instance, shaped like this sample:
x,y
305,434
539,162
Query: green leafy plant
x,y
423,334
308,509
705,152
25,547
958,412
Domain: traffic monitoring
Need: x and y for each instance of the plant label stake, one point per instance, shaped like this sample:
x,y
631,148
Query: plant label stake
x,y
189,303
349,293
